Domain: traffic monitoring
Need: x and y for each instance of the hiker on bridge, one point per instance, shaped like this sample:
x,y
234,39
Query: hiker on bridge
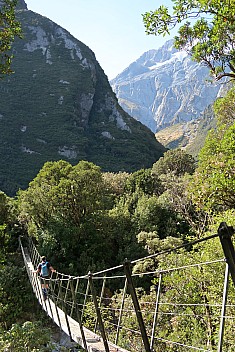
x,y
44,269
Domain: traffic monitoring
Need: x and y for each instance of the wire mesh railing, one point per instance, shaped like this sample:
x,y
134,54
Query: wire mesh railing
x,y
181,310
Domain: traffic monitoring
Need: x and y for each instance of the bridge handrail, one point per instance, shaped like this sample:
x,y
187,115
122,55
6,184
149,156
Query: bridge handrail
x,y
65,294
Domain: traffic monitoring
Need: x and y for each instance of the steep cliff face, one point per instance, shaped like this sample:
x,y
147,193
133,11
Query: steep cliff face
x,y
164,87
59,105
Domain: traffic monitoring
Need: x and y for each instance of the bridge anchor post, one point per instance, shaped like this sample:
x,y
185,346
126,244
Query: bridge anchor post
x,y
136,305
225,233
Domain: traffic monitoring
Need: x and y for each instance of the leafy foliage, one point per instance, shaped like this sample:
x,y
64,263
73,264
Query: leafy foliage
x,y
209,37
10,28
143,181
213,183
63,202
176,161
28,337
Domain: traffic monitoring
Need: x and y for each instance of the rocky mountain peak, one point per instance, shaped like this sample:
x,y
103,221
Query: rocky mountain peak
x,y
21,5
164,87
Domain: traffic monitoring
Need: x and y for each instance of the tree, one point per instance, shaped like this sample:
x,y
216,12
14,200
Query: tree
x,y
150,214
175,169
176,161
16,299
62,208
208,38
8,226
213,184
114,184
62,193
28,337
224,108
178,198
143,180
9,29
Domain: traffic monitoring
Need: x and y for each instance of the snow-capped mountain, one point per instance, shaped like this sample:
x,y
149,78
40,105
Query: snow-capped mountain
x,y
164,87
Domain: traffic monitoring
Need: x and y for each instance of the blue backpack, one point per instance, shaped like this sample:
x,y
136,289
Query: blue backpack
x,y
44,269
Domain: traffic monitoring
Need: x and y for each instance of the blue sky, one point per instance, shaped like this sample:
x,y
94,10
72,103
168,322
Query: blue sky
x,y
113,29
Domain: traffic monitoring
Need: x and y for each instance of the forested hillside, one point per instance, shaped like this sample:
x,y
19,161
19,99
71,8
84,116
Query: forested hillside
x,y
59,104
84,220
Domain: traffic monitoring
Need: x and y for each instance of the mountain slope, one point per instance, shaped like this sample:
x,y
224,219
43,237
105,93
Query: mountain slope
x,y
190,135
59,105
164,87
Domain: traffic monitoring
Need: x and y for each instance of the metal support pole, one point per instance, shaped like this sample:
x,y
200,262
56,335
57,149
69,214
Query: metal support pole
x,y
85,298
49,300
78,314
37,286
55,305
98,313
156,311
136,306
66,291
55,282
59,292
121,311
101,296
223,310
225,233
74,292
33,254
30,246
66,319
35,258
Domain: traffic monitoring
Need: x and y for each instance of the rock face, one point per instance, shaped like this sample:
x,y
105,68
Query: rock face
x,y
59,105
164,87
21,5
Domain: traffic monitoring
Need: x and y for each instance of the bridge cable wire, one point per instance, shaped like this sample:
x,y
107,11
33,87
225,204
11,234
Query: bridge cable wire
x,y
67,294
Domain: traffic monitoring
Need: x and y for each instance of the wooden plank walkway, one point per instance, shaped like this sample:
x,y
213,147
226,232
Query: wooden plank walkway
x,y
94,342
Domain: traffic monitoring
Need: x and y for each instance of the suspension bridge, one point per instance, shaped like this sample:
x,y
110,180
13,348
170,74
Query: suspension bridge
x,y
103,311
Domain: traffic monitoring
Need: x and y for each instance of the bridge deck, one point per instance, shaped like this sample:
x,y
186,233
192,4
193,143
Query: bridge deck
x,y
94,342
